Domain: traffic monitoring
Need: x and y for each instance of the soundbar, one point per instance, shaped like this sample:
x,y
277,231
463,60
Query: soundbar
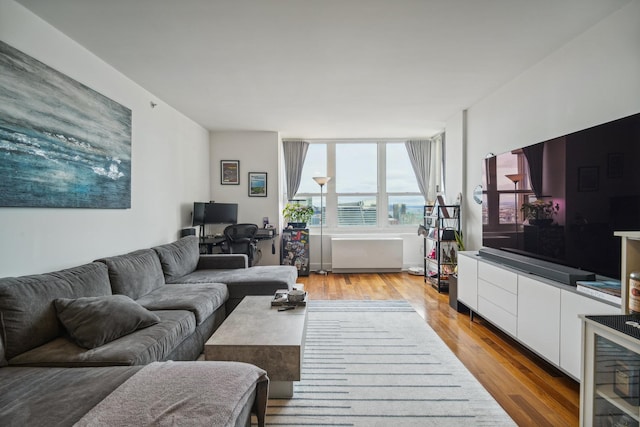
x,y
546,269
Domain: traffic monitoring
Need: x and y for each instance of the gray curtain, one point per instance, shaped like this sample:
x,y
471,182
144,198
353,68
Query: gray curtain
x,y
426,159
534,155
295,152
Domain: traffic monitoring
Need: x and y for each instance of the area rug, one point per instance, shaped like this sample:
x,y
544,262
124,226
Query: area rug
x,y
377,363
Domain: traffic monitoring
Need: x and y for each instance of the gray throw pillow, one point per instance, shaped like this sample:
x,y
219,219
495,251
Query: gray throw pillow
x,y
94,321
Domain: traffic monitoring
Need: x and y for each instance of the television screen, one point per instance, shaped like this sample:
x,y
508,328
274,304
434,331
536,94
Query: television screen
x,y
561,200
221,213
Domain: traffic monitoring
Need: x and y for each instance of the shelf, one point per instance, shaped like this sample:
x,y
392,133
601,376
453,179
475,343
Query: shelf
x,y
434,260
442,222
607,393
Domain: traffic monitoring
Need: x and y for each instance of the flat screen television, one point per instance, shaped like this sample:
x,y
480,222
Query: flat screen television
x,y
587,181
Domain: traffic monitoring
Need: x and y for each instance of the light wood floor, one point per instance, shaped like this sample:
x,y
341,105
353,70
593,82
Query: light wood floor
x,y
531,391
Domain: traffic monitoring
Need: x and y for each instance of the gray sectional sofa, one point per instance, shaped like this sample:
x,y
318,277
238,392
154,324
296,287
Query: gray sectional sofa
x,y
92,328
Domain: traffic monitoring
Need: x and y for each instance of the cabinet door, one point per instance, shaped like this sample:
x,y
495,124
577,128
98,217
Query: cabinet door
x,y
468,280
539,317
573,305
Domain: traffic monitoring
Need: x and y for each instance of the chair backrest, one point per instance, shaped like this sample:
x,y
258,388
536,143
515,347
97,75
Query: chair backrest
x,y
236,232
240,239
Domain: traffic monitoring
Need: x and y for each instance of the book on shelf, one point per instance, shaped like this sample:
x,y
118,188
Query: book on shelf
x,y
608,290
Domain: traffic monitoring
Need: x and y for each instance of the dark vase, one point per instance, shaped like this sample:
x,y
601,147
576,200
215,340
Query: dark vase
x,y
298,225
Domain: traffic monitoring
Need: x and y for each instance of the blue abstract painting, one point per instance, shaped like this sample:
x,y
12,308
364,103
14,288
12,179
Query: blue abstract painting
x,y
62,144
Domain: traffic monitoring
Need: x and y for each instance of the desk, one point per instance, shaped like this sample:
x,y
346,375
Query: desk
x,y
208,243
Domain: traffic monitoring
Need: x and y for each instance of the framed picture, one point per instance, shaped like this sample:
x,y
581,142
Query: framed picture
x,y
229,172
588,178
257,184
615,165
64,145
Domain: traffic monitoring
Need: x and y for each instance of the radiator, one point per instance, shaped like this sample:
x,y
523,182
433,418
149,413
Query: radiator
x,y
366,254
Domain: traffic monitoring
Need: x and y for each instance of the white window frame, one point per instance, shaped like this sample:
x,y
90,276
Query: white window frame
x,y
382,197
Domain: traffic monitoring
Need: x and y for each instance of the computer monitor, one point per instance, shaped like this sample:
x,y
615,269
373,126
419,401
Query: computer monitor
x,y
198,213
221,213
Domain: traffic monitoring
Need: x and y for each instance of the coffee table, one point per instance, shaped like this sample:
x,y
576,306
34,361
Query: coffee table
x,y
259,334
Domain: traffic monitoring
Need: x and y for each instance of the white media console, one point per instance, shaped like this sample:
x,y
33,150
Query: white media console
x,y
541,314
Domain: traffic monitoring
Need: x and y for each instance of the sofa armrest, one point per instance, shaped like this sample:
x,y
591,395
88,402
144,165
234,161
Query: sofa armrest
x,y
222,261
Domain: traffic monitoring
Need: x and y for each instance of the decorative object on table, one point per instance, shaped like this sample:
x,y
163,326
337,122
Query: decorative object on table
x,y
540,212
284,297
229,172
321,180
64,145
297,215
296,295
257,184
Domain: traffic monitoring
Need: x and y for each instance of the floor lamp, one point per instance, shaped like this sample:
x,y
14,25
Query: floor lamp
x,y
321,180
515,178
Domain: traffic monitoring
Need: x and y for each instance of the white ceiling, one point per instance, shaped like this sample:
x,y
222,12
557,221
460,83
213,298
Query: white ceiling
x,y
322,68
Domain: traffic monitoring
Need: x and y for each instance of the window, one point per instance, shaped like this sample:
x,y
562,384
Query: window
x,y
373,185
405,202
505,193
356,184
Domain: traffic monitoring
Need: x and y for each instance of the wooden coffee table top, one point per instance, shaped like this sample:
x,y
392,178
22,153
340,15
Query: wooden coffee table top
x,y
259,334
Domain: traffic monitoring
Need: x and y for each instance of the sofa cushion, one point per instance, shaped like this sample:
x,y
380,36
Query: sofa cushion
x,y
94,321
179,258
201,299
135,274
26,304
258,280
45,397
141,347
3,360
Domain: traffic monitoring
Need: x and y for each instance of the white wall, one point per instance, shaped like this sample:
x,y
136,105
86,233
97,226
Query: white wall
x,y
257,152
455,168
170,166
593,79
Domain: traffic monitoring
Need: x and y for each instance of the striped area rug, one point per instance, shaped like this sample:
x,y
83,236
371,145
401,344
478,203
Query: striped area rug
x,y
377,363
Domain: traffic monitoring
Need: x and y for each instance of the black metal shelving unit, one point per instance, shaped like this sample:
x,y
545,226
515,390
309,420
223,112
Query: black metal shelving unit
x,y
441,223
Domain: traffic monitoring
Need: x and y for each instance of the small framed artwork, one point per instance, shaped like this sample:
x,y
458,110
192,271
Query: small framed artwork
x,y
588,178
615,165
257,184
229,172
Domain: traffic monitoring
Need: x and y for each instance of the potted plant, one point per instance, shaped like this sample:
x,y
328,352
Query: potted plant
x,y
540,212
297,215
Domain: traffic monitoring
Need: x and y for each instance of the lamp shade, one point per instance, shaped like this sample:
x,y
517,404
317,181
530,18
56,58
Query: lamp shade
x,y
515,177
322,180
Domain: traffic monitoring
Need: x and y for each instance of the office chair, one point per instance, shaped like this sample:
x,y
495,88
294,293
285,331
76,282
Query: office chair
x,y
240,239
